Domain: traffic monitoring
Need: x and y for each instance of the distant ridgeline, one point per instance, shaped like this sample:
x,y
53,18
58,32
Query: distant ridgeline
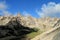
x,y
29,21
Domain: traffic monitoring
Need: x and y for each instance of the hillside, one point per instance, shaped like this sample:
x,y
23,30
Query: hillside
x,y
17,26
30,21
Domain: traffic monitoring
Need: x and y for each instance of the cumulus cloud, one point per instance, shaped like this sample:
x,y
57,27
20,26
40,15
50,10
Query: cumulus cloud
x,y
51,9
3,9
3,6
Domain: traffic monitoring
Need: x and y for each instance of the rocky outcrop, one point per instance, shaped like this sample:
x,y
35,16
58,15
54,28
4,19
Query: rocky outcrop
x,y
29,21
52,34
16,27
13,30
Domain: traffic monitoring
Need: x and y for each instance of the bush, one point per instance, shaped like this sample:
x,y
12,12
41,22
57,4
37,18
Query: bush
x,y
34,33
36,29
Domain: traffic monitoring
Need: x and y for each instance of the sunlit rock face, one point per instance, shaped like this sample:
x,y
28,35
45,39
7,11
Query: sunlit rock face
x,y
52,34
57,36
29,21
41,23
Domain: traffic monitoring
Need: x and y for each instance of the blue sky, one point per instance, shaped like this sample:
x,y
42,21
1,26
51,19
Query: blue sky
x,y
30,7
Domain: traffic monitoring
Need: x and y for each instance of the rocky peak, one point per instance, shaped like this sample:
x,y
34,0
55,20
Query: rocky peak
x,y
29,21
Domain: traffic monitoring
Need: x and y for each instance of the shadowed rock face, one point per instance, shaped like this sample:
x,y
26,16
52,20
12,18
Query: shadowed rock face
x,y
14,31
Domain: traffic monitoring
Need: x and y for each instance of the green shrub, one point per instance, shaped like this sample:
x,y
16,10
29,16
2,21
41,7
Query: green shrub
x,y
36,29
36,32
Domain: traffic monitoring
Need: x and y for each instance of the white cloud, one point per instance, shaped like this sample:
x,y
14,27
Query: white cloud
x,y
3,9
3,6
51,9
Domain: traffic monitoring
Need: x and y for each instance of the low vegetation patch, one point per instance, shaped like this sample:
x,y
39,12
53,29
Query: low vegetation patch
x,y
33,34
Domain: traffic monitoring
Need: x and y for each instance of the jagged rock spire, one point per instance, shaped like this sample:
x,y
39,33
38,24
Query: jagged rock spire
x,y
19,15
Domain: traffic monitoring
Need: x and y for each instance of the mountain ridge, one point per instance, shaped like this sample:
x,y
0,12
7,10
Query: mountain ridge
x,y
29,21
